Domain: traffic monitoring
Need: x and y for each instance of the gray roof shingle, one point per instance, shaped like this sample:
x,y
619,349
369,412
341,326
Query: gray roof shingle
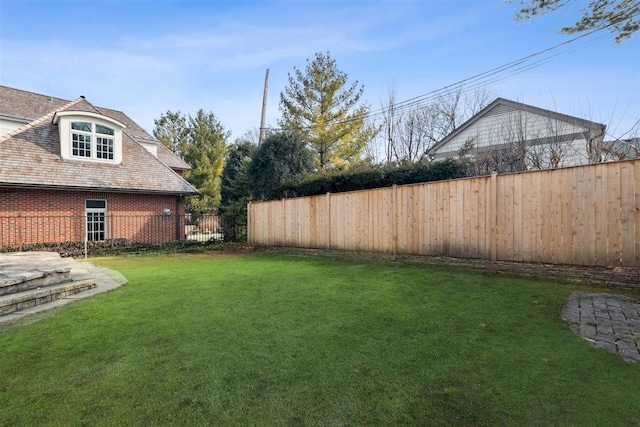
x,y
20,103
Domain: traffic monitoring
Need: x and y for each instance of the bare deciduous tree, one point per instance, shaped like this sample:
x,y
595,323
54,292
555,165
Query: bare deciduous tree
x,y
410,131
623,147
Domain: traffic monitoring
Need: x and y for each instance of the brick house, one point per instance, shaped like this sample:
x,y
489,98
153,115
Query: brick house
x,y
71,171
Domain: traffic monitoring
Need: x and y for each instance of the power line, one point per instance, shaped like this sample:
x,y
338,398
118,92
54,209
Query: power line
x,y
505,67
490,76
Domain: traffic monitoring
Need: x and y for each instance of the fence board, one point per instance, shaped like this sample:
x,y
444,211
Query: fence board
x,y
556,217
462,204
601,215
417,222
532,217
505,216
452,219
493,216
484,225
545,198
421,223
402,213
518,227
613,215
565,255
409,234
348,217
627,215
591,201
446,220
578,227
432,219
461,201
472,219
636,174
337,221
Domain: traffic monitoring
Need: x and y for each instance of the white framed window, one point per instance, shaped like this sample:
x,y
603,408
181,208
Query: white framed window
x,y
83,134
89,137
81,139
96,223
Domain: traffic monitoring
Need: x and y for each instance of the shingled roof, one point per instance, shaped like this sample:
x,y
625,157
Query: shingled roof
x,y
168,158
30,156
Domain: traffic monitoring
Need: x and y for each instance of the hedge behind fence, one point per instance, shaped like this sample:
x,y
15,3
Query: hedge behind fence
x,y
372,177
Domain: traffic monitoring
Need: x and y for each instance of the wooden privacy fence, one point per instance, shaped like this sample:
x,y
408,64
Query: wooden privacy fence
x,y
584,215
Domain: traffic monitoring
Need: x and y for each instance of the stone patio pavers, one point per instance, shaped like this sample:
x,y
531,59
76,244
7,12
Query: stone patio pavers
x,y
608,321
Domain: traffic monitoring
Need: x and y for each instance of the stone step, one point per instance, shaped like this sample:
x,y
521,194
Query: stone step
x,y
16,302
23,271
34,280
80,279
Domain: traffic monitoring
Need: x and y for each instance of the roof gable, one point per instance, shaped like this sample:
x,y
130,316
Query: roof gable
x,y
504,108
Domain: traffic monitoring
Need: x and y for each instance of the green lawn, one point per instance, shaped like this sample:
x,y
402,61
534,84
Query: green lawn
x,y
273,340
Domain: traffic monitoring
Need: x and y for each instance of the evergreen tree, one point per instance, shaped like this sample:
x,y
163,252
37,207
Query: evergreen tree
x,y
172,131
201,142
235,188
280,158
322,109
204,151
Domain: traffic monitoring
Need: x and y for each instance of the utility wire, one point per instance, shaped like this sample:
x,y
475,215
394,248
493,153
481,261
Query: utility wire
x,y
505,67
493,75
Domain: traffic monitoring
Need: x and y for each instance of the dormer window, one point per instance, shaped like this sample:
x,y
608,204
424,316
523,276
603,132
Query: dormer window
x,y
89,136
83,134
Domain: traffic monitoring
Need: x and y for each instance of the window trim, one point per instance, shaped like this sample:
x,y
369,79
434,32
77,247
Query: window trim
x,y
96,140
108,147
83,140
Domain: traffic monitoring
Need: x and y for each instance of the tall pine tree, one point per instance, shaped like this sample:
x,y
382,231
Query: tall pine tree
x,y
322,109
204,152
201,142
172,131
235,188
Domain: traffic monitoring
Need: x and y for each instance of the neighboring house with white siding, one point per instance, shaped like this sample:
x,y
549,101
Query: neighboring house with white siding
x,y
511,136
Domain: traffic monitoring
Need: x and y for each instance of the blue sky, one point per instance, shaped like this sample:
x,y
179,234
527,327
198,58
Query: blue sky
x,y
146,57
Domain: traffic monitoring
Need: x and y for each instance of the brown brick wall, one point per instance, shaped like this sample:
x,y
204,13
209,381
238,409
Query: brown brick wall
x,y
44,216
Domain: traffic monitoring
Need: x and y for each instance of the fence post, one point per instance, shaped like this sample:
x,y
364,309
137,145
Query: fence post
x,y
493,214
178,220
394,231
284,222
249,225
20,227
328,220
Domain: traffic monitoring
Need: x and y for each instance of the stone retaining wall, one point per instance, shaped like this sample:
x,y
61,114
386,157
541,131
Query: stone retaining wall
x,y
622,278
